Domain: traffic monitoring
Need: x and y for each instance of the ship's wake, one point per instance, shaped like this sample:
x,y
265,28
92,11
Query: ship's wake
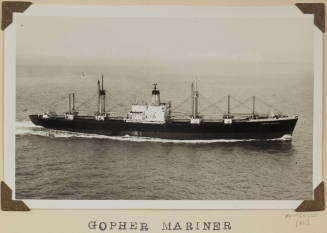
x,y
25,128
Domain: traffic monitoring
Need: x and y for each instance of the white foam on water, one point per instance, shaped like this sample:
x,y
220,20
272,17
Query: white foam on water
x,y
25,124
28,128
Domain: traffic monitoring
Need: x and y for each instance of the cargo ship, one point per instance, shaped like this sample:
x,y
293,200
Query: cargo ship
x,y
157,121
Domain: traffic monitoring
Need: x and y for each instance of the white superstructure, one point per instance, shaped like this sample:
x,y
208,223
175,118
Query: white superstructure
x,y
155,113
148,114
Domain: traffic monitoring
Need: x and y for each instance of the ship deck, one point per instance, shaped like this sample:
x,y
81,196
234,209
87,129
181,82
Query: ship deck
x,y
180,120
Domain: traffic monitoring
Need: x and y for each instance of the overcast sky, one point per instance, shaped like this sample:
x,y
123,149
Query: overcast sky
x,y
58,39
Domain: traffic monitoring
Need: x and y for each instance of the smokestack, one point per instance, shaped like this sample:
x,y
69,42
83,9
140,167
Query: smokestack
x,y
155,95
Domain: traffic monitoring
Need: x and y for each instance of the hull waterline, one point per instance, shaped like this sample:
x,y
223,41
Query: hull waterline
x,y
252,129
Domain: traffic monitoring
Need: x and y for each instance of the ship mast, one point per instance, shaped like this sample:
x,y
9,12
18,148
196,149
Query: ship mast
x,y
73,95
253,107
194,100
101,98
228,106
69,103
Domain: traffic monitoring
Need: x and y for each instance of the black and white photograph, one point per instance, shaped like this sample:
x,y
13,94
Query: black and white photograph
x,y
164,108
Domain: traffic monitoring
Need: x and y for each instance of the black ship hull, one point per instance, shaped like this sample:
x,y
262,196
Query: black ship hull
x,y
243,129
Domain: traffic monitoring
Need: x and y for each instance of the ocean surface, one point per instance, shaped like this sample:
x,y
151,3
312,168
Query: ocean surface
x,y
53,164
